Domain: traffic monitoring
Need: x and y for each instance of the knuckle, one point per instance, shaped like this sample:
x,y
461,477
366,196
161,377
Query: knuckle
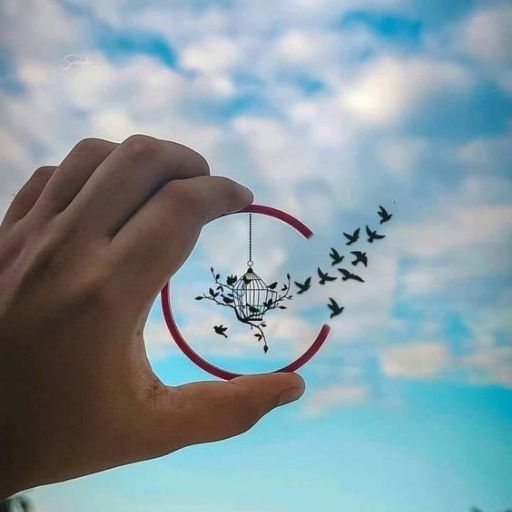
x,y
191,159
139,145
43,172
201,163
87,144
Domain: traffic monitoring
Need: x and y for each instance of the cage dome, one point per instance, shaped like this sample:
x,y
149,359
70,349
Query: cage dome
x,y
250,295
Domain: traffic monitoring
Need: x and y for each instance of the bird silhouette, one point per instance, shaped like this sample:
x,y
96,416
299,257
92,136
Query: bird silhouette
x,y
335,308
373,235
352,238
348,275
324,277
384,215
303,287
335,256
220,329
360,258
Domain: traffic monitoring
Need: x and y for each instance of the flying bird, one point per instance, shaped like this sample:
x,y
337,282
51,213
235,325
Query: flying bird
x,y
360,258
220,329
373,235
384,215
335,256
348,275
352,238
303,287
335,308
324,277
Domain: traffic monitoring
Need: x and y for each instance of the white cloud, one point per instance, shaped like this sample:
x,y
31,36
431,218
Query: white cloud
x,y
487,34
416,360
322,400
401,156
492,365
390,87
456,227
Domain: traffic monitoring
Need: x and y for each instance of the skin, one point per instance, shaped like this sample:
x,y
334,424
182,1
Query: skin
x,y
84,249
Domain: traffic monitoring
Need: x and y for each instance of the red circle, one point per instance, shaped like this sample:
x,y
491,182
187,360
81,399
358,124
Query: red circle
x,y
165,297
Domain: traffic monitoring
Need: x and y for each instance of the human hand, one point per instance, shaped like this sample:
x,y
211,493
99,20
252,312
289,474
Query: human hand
x,y
84,249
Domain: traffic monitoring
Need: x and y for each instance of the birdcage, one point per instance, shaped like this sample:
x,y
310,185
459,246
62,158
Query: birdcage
x,y
252,296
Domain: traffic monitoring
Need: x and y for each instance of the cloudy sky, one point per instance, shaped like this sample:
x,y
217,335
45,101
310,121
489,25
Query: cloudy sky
x,y
326,109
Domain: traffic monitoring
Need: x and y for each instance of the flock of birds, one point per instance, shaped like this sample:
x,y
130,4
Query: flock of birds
x,y
359,257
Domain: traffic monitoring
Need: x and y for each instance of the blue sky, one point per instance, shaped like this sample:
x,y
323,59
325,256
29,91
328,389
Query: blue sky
x,y
325,109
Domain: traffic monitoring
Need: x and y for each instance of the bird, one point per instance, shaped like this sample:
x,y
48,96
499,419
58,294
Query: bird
x,y
303,287
335,308
360,258
352,238
373,235
324,277
335,256
220,329
384,215
348,275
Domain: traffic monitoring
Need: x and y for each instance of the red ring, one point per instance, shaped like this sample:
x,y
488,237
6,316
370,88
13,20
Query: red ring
x,y
215,370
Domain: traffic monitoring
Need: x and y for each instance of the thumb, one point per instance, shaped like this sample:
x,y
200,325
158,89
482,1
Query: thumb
x,y
210,411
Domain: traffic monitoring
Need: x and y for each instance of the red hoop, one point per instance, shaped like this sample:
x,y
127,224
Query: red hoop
x,y
219,372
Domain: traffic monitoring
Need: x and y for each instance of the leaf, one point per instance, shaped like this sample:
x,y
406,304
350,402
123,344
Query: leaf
x,y
219,287
258,336
288,276
283,307
272,286
217,277
227,300
289,297
212,293
263,324
284,288
199,298
252,309
265,349
212,271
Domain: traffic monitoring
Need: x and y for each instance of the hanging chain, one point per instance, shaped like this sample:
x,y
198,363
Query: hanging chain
x,y
250,262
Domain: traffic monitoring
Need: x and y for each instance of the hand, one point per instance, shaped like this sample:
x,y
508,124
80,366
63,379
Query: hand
x,y
84,249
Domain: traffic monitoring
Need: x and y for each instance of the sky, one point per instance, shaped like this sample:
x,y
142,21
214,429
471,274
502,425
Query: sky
x,y
325,109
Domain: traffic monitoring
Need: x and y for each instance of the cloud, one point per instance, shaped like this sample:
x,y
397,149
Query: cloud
x,y
416,360
335,396
492,365
457,227
487,35
389,88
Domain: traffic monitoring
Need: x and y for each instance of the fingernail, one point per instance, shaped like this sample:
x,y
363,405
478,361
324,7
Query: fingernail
x,y
290,395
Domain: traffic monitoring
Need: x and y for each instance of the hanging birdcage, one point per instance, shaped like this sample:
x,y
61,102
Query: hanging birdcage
x,y
252,296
